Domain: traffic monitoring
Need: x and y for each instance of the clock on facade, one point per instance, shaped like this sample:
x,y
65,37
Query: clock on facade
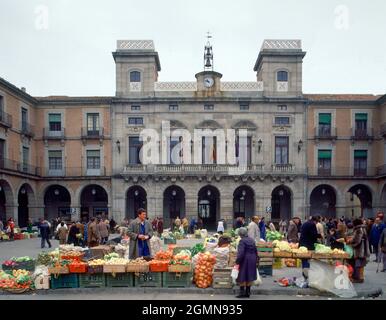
x,y
208,82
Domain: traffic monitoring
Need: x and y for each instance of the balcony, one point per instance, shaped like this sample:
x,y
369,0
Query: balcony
x,y
362,134
27,129
12,165
89,133
383,130
206,170
325,133
381,170
5,119
344,172
54,134
73,172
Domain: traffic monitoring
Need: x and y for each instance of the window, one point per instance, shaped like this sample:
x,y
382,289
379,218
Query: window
x,y
93,159
208,107
175,150
281,150
135,76
2,153
243,150
135,121
324,162
55,161
24,119
173,107
282,76
360,162
135,108
244,107
282,107
55,121
135,146
361,124
209,150
92,124
25,158
282,121
1,105
324,124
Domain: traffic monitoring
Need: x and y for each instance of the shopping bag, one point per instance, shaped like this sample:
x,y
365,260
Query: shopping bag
x,y
258,280
349,250
235,274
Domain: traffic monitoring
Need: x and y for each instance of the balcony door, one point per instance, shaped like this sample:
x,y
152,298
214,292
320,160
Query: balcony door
x,y
2,153
93,124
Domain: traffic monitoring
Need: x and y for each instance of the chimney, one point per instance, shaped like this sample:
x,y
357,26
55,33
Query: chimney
x,y
23,89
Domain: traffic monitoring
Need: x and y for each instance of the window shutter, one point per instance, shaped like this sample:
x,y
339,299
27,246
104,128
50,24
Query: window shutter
x,y
55,117
360,154
55,154
93,153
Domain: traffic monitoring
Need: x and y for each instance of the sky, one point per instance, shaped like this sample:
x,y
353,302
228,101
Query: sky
x,y
63,47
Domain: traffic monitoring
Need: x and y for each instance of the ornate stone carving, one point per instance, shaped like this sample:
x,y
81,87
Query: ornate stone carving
x,y
175,86
209,124
281,44
242,86
135,45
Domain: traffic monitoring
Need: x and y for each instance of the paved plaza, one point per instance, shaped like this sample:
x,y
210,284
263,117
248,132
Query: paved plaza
x,y
269,289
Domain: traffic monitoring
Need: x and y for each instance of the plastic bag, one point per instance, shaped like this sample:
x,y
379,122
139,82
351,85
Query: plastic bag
x,y
222,257
335,279
155,245
258,280
349,250
204,233
235,274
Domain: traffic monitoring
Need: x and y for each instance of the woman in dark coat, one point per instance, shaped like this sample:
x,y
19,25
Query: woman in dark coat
x,y
72,239
247,261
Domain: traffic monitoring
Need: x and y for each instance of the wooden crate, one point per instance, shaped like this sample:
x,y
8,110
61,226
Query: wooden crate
x,y
222,278
265,262
177,280
114,268
265,254
282,254
119,280
95,280
137,268
150,279
58,270
180,268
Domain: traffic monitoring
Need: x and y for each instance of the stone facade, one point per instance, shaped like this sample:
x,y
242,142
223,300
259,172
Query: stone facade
x,y
277,182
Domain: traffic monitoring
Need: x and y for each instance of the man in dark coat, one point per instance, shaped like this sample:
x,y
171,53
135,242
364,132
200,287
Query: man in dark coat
x,y
247,261
375,235
308,237
262,227
140,231
44,227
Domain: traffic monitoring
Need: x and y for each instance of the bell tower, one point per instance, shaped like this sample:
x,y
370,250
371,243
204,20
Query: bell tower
x,y
208,81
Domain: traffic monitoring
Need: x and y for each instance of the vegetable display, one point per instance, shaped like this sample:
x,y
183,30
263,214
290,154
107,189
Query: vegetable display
x,y
182,258
197,248
321,248
163,255
116,261
110,256
96,262
19,279
273,235
203,272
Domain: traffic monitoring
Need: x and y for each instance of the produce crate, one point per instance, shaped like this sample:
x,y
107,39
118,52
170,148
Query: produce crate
x,y
9,269
119,280
65,281
282,254
137,268
27,265
180,268
170,241
265,262
266,270
77,268
177,280
340,256
59,270
150,279
277,263
264,249
303,255
73,258
222,278
18,236
114,268
157,268
264,254
95,269
95,280
321,255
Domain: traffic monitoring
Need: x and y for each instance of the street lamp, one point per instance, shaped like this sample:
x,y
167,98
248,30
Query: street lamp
x,y
174,192
359,191
323,191
136,193
281,193
56,192
300,145
118,143
93,192
208,193
259,144
22,190
243,193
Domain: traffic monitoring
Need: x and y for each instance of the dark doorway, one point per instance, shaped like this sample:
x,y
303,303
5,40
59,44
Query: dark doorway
x,y
23,205
57,203
363,194
243,202
136,198
209,206
281,204
173,204
94,202
323,201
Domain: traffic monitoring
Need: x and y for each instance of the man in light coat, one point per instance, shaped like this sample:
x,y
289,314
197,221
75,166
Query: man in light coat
x,y
253,229
140,231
